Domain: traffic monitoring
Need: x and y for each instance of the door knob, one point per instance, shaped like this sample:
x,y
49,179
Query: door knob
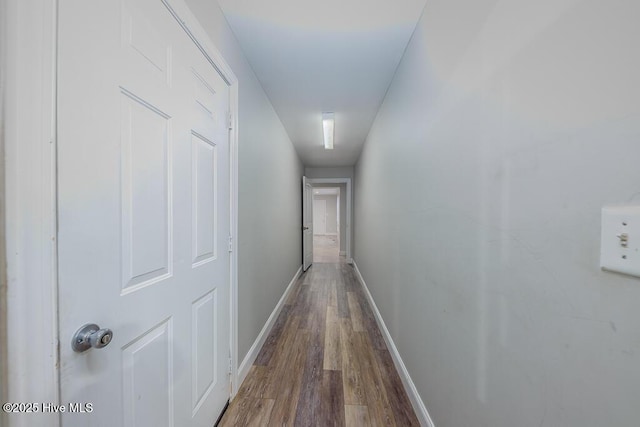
x,y
90,335
305,228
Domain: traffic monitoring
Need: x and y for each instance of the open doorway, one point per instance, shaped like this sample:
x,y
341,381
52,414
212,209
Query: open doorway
x,y
341,187
328,247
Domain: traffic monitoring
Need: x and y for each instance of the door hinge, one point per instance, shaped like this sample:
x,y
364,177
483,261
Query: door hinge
x,y
230,244
230,120
230,375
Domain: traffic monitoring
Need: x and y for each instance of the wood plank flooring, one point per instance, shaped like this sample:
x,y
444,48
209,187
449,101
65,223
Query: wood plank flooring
x,y
325,362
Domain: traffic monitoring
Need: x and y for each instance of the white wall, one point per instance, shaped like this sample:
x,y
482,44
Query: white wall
x,y
331,213
508,125
267,160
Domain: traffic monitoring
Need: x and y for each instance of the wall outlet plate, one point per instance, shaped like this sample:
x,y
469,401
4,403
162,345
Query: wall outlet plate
x,y
620,239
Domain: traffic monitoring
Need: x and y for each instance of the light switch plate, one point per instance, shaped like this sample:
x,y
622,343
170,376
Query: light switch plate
x,y
620,241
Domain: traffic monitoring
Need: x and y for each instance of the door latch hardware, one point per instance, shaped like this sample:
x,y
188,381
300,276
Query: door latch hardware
x,y
90,335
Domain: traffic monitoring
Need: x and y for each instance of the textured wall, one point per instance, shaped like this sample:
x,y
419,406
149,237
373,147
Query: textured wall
x,y
507,127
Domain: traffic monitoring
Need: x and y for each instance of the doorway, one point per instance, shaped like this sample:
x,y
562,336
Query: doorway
x,y
344,235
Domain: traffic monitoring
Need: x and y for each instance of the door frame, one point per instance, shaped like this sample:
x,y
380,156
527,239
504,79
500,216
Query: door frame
x,y
30,328
29,282
349,198
306,198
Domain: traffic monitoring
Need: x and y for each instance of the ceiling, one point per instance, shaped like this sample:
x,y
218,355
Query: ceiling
x,y
324,56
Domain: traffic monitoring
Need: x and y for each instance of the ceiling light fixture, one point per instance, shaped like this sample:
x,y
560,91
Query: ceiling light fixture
x,y
328,124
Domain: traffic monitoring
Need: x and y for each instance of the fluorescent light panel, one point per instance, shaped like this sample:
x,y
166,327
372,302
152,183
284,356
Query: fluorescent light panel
x,y
328,125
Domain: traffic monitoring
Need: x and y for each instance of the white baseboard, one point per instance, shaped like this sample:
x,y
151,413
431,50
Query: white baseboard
x,y
248,360
416,401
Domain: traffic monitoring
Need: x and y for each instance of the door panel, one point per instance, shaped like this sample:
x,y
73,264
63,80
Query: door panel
x,y
203,343
204,203
144,202
145,187
147,371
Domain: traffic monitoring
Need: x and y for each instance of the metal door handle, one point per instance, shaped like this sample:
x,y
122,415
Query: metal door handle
x,y
90,335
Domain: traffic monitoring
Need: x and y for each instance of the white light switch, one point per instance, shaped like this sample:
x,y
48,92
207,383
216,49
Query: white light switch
x,y
620,241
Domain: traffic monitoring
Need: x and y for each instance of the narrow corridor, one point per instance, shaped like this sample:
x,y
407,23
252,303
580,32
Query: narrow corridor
x,y
325,362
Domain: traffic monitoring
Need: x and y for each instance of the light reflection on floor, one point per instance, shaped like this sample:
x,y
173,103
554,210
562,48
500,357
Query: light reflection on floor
x,y
326,248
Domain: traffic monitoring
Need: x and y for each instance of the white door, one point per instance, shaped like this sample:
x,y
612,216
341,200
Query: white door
x,y
319,217
307,224
144,201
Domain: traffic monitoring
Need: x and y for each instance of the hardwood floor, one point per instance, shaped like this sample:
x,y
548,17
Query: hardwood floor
x,y
325,362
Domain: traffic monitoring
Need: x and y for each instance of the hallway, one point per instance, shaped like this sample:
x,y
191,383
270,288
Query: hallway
x,y
477,161
324,363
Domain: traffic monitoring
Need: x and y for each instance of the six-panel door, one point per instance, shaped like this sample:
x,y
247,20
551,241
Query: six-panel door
x,y
144,201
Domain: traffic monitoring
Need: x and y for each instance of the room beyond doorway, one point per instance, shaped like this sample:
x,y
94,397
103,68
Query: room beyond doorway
x,y
327,225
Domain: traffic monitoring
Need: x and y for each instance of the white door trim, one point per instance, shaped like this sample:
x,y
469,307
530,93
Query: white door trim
x,y
307,224
29,333
29,136
349,197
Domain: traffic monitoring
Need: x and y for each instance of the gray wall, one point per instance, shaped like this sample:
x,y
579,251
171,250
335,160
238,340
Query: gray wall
x,y
331,213
267,160
507,127
338,172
